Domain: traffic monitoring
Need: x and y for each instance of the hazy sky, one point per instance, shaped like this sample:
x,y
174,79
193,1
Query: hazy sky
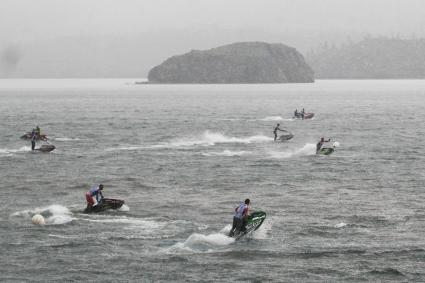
x,y
41,19
109,38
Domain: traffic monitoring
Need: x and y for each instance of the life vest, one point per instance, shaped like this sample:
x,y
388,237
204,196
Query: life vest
x,y
240,210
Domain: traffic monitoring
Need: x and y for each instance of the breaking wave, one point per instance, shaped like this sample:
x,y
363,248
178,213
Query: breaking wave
x,y
54,214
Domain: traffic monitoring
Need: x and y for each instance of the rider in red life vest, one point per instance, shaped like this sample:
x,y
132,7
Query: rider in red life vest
x,y
240,218
94,195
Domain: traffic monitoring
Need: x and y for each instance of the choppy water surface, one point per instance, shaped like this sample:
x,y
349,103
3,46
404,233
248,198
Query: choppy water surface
x,y
182,157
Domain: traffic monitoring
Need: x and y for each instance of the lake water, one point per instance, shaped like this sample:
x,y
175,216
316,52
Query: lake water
x,y
183,157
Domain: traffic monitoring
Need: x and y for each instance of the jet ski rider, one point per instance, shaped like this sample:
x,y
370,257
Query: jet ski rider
x,y
33,138
240,218
320,144
277,129
94,195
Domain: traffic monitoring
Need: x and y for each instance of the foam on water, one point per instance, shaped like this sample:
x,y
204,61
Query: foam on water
x,y
146,224
206,139
6,151
124,208
340,225
227,153
196,242
66,139
276,118
307,149
54,214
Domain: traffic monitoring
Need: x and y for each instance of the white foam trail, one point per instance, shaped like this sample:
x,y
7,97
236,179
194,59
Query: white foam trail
x,y
66,139
145,223
206,139
276,118
307,149
227,153
340,225
54,214
211,138
6,151
336,144
124,208
201,243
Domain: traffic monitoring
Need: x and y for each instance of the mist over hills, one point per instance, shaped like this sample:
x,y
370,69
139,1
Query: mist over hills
x,y
109,56
115,56
371,58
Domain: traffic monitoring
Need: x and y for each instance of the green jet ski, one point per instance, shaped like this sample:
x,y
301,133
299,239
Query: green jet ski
x,y
255,219
326,150
104,204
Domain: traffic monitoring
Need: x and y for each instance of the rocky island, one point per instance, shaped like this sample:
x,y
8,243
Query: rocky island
x,y
244,62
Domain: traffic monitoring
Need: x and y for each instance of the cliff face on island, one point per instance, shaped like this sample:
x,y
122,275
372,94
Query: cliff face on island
x,y
371,58
245,62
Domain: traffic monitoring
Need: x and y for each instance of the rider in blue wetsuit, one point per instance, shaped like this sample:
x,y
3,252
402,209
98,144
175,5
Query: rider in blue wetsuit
x,y
94,195
240,218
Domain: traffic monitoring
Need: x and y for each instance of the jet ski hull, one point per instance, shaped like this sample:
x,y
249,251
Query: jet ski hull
x,y
285,137
104,205
306,116
41,137
46,148
326,150
255,219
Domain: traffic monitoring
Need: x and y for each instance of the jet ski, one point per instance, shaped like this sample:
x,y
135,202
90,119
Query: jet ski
x,y
104,204
46,148
285,137
27,136
255,219
306,116
326,150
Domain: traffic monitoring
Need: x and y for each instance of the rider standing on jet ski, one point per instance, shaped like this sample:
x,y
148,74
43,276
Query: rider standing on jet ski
x,y
240,218
94,195
33,139
277,129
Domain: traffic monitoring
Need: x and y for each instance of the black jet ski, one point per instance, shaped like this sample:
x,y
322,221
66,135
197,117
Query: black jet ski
x,y
46,148
306,116
41,137
255,219
105,204
285,137
326,150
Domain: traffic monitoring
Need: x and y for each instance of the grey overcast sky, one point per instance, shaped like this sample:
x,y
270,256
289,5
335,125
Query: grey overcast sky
x,y
44,19
122,38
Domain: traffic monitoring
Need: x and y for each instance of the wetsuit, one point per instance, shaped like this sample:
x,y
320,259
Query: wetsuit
x,y
275,132
239,220
94,196
33,138
320,144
